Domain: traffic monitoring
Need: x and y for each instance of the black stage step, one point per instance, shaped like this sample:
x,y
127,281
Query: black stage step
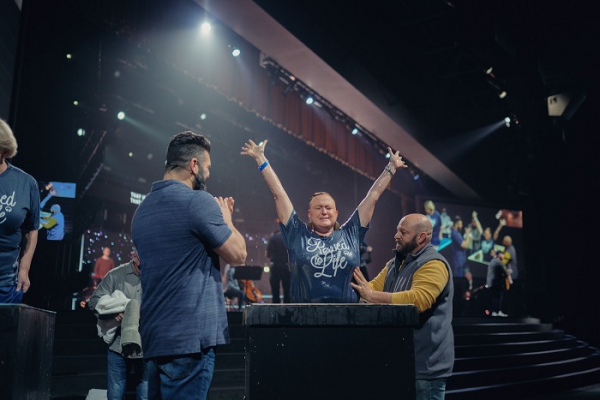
x,y
79,359
496,357
500,357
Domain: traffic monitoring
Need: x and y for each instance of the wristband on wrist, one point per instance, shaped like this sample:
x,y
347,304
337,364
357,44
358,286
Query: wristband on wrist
x,y
389,169
263,166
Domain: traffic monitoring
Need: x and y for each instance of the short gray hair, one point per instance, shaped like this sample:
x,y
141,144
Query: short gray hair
x,y
8,143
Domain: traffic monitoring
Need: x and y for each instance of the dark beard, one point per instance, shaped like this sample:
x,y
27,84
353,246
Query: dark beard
x,y
408,248
199,182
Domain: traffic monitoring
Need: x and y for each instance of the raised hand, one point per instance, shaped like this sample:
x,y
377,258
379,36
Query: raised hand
x,y
254,150
396,160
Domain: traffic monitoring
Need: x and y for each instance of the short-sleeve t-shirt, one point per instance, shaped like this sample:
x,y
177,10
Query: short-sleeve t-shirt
x,y
322,267
19,214
175,230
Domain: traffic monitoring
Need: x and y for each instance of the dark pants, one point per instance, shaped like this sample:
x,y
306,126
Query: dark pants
x,y
119,372
497,298
280,274
232,293
181,377
10,295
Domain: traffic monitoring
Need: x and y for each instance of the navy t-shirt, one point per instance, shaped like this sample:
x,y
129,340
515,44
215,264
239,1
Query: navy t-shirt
x,y
322,267
19,214
183,308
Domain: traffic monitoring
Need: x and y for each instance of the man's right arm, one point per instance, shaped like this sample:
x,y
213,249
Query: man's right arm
x,y
106,286
233,251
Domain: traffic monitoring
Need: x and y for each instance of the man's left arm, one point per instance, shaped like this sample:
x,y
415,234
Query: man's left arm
x,y
366,208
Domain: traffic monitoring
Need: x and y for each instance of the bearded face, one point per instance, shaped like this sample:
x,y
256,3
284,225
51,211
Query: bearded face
x,y
406,247
199,181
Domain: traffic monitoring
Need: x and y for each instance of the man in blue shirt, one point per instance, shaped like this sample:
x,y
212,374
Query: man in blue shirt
x,y
180,231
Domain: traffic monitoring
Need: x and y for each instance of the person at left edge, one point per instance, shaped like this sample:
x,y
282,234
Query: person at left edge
x,y
322,254
180,231
19,221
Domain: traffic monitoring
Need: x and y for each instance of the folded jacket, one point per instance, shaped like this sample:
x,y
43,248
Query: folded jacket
x,y
131,341
110,304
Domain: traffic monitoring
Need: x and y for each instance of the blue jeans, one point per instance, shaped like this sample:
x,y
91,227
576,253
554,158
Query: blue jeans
x,y
10,295
181,377
430,390
119,369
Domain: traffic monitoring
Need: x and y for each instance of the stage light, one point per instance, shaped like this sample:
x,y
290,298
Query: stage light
x,y
565,104
387,155
203,116
121,115
130,154
507,122
414,174
205,27
69,56
236,52
355,131
489,70
75,103
499,89
117,74
309,100
80,132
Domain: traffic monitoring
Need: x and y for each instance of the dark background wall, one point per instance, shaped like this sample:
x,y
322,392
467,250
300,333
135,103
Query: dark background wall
x,y
9,35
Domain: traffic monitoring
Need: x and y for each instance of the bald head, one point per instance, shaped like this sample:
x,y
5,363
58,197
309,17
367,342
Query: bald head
x,y
414,233
418,222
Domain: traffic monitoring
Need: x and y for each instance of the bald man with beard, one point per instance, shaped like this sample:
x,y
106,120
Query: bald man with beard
x,y
421,276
